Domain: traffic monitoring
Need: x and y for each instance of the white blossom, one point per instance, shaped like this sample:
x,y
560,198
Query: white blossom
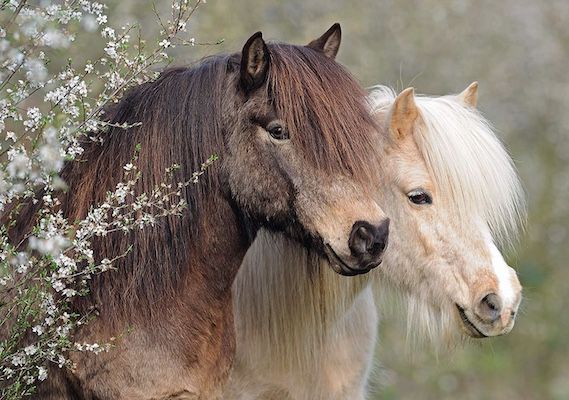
x,y
38,330
19,165
51,245
34,116
89,22
102,19
36,70
18,360
30,350
165,43
42,373
56,39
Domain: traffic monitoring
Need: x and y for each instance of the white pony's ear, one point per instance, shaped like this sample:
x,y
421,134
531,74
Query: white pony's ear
x,y
403,114
469,96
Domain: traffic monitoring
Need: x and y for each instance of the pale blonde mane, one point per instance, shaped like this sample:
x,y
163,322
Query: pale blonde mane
x,y
468,163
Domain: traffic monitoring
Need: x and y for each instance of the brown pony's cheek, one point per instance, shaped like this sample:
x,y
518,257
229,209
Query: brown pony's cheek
x,y
253,172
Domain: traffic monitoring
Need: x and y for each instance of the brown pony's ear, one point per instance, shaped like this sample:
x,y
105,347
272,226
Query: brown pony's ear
x,y
329,43
469,96
403,114
254,63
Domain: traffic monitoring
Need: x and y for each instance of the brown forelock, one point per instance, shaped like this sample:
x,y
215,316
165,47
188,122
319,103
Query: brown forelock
x,y
180,114
325,110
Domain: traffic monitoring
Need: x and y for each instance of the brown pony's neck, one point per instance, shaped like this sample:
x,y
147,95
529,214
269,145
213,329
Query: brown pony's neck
x,y
168,302
180,116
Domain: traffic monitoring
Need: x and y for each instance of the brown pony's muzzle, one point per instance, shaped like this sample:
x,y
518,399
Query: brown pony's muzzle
x,y
367,243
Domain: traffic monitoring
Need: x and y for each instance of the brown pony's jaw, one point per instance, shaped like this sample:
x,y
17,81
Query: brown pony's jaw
x,y
340,267
351,228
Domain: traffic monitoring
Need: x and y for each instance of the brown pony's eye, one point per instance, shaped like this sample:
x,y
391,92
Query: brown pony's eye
x,y
420,197
277,130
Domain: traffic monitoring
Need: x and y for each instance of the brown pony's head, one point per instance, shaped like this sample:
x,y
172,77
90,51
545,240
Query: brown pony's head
x,y
300,145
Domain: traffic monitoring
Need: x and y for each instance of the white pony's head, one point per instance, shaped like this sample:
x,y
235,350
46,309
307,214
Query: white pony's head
x,y
454,198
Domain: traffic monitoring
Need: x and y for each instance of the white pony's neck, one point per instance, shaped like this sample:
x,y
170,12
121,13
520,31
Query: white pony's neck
x,y
288,301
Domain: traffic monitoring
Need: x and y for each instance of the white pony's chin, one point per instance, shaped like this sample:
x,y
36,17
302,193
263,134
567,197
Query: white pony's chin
x,y
435,324
469,327
428,325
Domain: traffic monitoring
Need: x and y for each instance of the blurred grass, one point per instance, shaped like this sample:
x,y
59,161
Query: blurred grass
x,y
519,52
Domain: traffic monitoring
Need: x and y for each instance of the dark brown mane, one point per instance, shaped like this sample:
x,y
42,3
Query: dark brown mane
x,y
181,124
313,93
180,116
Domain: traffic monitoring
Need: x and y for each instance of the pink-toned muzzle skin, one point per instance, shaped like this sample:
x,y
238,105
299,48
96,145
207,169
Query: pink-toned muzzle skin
x,y
494,307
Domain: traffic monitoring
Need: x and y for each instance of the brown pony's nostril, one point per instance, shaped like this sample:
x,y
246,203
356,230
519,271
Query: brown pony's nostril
x,y
489,308
368,241
381,236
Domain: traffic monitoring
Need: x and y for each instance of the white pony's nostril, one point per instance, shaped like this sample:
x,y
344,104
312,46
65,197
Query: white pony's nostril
x,y
489,308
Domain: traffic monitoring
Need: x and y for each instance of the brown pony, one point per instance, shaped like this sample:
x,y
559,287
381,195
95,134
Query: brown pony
x,y
296,147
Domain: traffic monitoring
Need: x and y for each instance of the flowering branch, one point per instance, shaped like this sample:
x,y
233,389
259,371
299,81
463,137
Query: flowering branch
x,y
47,108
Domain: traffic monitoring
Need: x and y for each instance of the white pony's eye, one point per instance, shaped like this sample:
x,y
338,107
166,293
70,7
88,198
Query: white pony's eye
x,y
420,197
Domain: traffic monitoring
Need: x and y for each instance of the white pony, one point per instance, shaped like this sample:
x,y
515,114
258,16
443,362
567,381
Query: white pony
x,y
453,195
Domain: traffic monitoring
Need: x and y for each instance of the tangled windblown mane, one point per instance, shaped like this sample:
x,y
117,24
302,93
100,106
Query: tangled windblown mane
x,y
177,121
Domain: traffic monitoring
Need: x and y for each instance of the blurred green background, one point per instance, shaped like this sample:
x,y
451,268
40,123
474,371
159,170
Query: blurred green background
x,y
518,50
